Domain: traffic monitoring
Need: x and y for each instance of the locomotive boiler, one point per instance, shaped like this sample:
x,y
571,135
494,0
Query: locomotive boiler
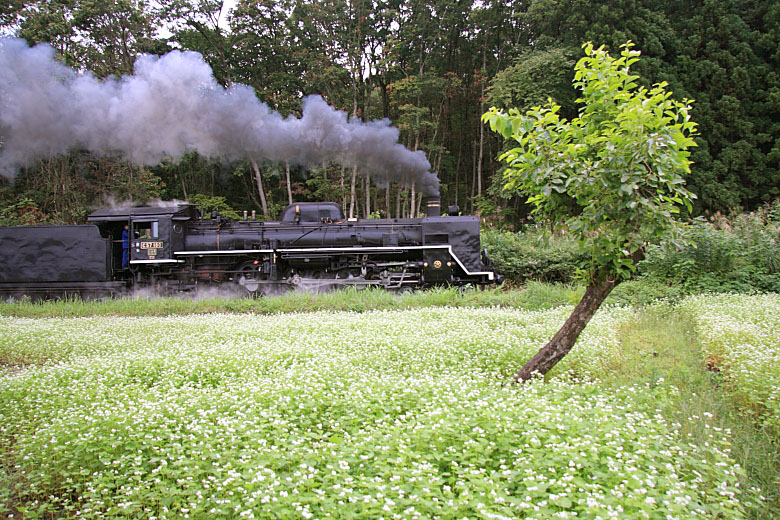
x,y
173,248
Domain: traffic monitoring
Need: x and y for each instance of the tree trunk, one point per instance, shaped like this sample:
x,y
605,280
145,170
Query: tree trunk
x,y
260,190
183,186
481,151
457,171
563,341
341,190
473,176
352,193
289,187
481,126
385,102
368,196
412,201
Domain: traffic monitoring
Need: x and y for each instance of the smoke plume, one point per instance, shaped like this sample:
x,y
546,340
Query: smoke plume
x,y
172,105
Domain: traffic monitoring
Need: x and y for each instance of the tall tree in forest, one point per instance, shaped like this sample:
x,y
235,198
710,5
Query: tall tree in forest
x,y
432,53
197,25
9,15
613,177
282,50
727,59
496,39
415,99
269,52
352,48
535,77
103,37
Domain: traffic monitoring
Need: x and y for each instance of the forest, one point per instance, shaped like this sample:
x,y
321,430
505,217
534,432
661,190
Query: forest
x,y
431,67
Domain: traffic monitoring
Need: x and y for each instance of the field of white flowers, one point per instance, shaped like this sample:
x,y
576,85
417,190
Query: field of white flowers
x,y
741,337
394,414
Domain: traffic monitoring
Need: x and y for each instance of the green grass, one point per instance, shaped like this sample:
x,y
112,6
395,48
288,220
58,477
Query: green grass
x,y
531,296
534,296
662,345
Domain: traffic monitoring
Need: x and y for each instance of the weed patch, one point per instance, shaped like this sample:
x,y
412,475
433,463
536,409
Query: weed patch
x,y
668,345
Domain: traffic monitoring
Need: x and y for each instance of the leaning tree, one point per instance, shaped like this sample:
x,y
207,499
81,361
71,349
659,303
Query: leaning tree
x,y
613,177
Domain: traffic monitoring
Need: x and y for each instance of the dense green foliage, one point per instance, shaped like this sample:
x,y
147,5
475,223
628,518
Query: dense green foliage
x,y
738,254
533,255
218,204
726,58
24,212
432,67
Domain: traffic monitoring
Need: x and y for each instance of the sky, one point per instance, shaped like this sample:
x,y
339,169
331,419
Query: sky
x,y
229,4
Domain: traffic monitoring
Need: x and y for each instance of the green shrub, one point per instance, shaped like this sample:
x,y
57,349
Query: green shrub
x,y
645,292
530,255
738,253
24,212
730,254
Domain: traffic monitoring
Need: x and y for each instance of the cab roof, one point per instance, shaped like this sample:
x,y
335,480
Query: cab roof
x,y
177,211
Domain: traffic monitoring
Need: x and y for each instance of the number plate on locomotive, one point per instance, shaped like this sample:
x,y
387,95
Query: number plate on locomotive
x,y
151,245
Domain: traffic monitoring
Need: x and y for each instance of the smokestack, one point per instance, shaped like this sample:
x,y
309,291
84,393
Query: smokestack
x,y
432,206
172,105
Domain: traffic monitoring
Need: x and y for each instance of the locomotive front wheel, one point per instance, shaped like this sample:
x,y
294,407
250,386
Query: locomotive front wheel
x,y
249,277
348,274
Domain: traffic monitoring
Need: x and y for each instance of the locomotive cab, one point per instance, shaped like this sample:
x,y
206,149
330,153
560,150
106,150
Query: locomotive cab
x,y
154,233
151,239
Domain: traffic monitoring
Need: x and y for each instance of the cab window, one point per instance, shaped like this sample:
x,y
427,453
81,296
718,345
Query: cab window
x,y
147,230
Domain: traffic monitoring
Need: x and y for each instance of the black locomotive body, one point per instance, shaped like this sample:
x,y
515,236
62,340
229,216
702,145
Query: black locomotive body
x,y
172,248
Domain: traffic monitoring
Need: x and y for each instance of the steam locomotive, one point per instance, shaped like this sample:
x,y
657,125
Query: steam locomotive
x,y
173,248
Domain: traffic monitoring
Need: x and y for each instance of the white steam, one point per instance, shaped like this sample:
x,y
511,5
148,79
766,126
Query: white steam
x,y
173,105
